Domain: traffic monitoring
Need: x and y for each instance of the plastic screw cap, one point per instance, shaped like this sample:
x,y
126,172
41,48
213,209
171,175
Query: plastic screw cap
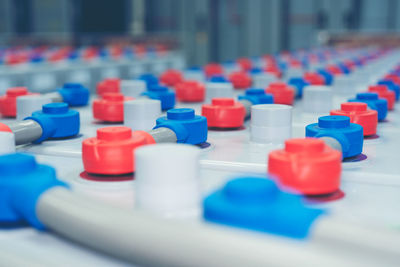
x,y
22,182
74,94
224,113
111,152
262,80
171,78
8,102
245,64
110,85
110,107
188,127
317,99
141,114
257,203
391,86
283,94
149,79
328,77
383,92
29,103
240,80
190,91
167,179
212,69
374,102
56,121
215,90
314,78
7,142
360,114
167,97
349,135
307,165
133,88
257,97
270,123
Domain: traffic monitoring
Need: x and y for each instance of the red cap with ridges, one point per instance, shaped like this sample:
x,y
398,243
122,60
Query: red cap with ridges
x,y
283,94
4,128
190,91
334,70
8,102
224,113
244,63
240,80
111,152
314,78
110,85
212,69
171,77
110,107
383,92
273,69
359,114
307,165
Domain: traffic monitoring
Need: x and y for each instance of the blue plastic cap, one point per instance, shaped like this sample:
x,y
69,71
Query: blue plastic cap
x,y
257,97
74,94
258,204
373,102
162,93
344,68
218,79
327,76
188,127
22,182
299,84
349,135
149,79
391,86
57,121
255,70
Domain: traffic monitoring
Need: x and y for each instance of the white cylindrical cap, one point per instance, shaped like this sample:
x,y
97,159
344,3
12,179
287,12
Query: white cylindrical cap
x,y
141,114
197,75
317,99
133,88
216,89
29,103
167,179
7,143
262,80
270,123
345,85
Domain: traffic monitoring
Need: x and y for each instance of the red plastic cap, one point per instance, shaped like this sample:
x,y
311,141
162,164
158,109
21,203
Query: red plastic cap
x,y
273,69
224,113
8,102
171,77
240,80
283,94
314,78
111,152
110,85
334,70
110,107
245,63
383,92
212,69
190,91
359,114
307,165
4,128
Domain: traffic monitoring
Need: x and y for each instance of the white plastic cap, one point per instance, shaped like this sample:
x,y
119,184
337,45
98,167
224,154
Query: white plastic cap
x,y
270,123
317,99
215,89
133,88
197,75
167,179
7,143
29,103
262,80
345,84
141,114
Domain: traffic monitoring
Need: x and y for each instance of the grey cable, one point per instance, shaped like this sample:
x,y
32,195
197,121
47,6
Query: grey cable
x,y
26,131
163,135
332,142
142,239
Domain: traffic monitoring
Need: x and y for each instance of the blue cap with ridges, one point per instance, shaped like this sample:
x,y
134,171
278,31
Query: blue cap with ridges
x,y
162,93
257,203
299,84
391,86
374,102
257,96
74,94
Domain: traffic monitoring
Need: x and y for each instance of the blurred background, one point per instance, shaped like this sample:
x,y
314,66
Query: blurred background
x,y
204,30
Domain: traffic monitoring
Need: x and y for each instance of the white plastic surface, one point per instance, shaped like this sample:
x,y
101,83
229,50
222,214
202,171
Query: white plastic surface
x,y
7,143
132,88
141,114
167,179
317,99
270,123
29,103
